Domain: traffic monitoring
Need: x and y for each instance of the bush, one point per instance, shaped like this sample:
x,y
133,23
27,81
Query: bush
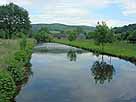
x,y
21,56
18,62
2,33
23,42
42,36
71,35
132,37
7,86
28,50
16,69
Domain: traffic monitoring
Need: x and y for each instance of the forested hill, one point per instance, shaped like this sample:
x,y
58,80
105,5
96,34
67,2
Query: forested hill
x,y
125,29
61,27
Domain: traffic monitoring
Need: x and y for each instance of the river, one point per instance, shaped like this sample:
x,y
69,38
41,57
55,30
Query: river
x,y
63,73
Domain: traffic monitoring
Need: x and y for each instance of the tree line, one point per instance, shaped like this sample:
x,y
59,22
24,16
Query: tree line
x,y
103,34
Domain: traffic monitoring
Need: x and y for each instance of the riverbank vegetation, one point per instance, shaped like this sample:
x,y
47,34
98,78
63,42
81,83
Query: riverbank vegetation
x,y
16,46
104,40
14,59
15,49
116,48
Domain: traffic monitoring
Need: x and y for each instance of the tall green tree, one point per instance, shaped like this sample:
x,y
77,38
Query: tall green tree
x,y
14,19
103,34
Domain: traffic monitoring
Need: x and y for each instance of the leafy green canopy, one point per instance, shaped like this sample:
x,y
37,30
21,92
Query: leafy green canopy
x,y
43,35
103,34
13,19
132,37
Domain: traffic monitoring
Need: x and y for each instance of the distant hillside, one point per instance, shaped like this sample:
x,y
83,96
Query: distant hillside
x,y
125,29
60,27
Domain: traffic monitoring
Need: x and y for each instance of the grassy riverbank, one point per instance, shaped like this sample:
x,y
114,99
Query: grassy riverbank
x,y
118,49
13,60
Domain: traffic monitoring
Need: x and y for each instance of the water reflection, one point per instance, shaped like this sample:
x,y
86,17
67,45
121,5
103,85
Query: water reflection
x,y
57,79
96,53
102,71
72,55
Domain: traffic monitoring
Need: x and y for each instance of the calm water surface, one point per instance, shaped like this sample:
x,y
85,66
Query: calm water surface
x,y
65,74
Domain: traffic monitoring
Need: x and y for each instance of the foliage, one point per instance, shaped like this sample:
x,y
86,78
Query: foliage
x,y
125,29
13,60
44,29
23,42
19,60
132,37
72,35
21,56
43,35
2,33
28,49
125,32
60,27
16,69
116,48
103,34
14,19
19,35
7,86
90,35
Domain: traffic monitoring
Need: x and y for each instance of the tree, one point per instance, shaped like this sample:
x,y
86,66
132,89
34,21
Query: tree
x,y
72,35
14,19
103,34
132,37
45,29
43,35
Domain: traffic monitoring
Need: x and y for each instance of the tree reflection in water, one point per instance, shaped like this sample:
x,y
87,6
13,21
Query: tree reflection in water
x,y
102,71
72,55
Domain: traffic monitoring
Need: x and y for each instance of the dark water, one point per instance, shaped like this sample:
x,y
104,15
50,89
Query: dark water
x,y
65,74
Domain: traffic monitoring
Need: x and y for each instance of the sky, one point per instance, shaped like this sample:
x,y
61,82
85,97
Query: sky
x,y
79,12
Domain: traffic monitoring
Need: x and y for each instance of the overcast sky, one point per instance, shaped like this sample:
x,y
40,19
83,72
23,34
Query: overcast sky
x,y
79,12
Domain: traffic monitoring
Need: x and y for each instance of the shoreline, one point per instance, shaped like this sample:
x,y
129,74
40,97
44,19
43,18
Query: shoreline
x,y
130,59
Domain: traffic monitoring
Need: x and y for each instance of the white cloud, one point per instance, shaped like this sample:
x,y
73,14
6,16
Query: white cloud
x,y
19,2
129,7
73,11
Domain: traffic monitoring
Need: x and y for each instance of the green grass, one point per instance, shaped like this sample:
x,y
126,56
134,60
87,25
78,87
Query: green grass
x,y
9,76
121,49
8,48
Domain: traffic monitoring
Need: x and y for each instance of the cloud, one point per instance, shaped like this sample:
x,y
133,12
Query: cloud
x,y
19,2
129,7
75,11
